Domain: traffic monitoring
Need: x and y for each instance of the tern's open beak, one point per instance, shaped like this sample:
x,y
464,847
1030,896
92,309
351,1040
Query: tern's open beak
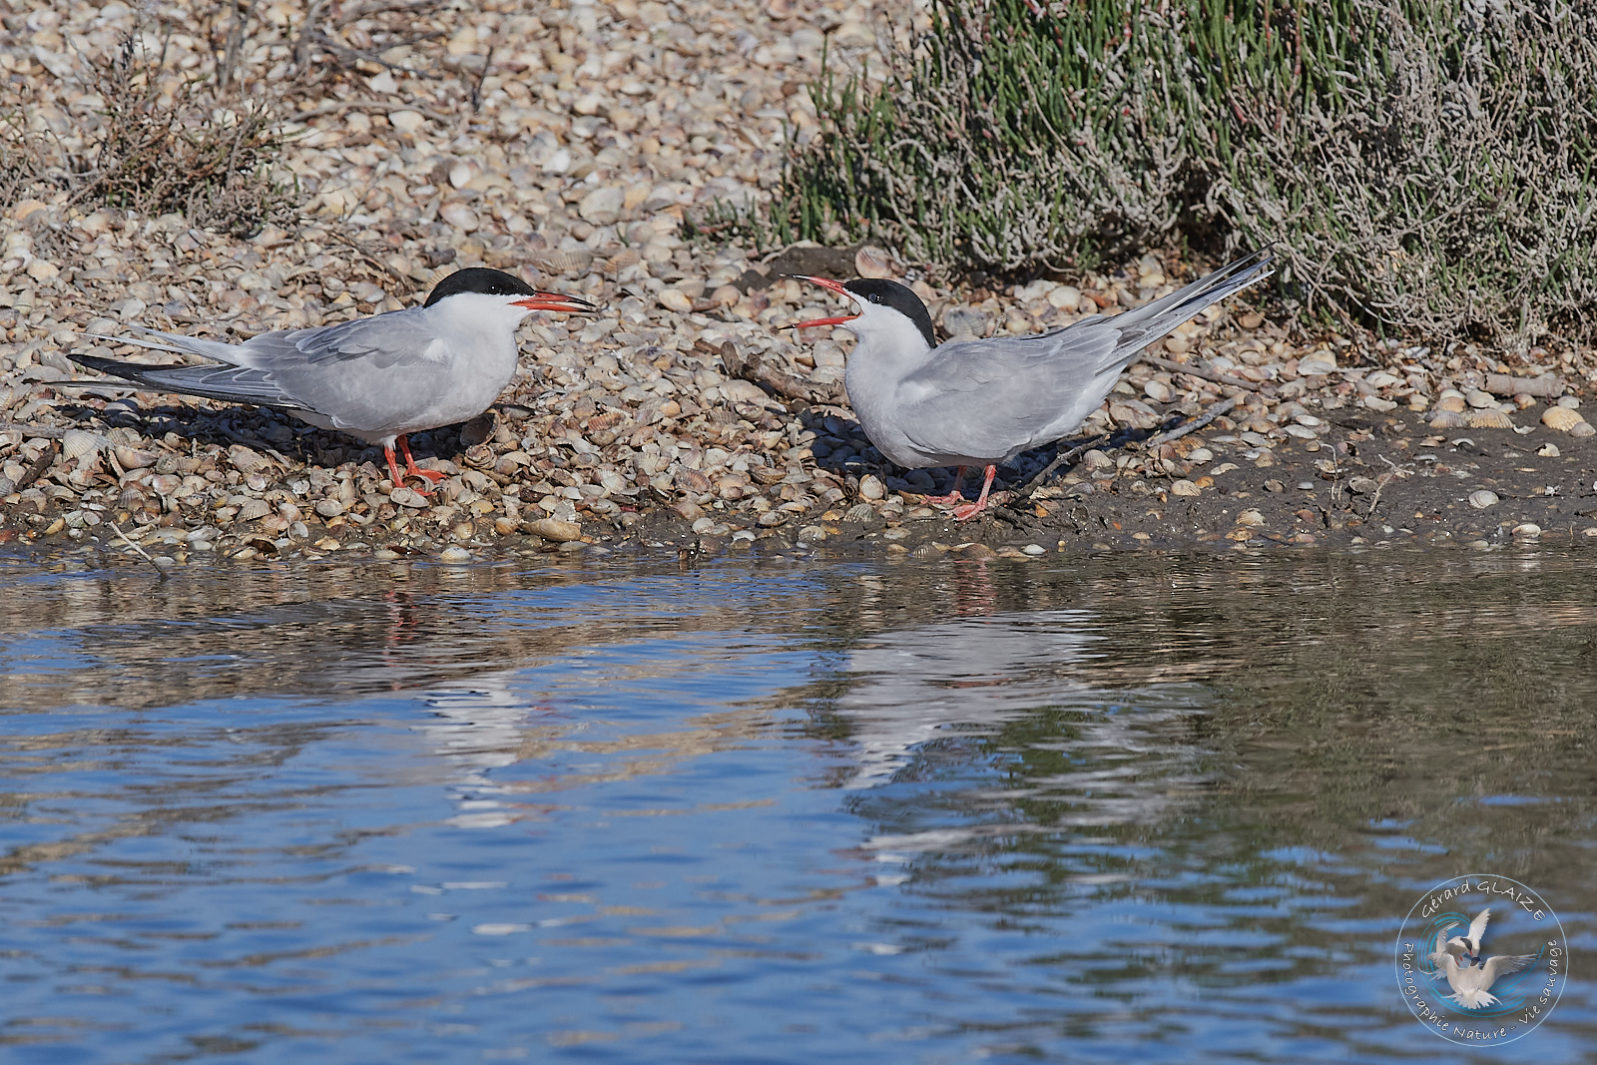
x,y
834,286
554,301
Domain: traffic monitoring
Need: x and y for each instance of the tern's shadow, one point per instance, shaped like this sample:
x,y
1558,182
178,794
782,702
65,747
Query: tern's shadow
x,y
847,452
261,428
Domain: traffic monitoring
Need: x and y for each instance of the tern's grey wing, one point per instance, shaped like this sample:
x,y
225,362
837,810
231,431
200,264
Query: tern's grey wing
x,y
995,398
381,342
370,375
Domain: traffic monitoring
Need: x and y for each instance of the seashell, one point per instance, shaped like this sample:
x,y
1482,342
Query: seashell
x,y
78,444
253,509
1562,419
1583,429
1448,419
606,420
621,260
1451,401
246,460
561,261
1482,499
872,262
767,475
510,462
133,458
691,480
479,457
1488,419
1480,399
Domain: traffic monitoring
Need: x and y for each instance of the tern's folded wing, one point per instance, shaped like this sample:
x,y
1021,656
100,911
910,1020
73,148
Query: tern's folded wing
x,y
369,375
991,398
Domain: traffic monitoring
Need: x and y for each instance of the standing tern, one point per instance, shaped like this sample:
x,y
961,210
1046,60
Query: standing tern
x,y
982,402
379,378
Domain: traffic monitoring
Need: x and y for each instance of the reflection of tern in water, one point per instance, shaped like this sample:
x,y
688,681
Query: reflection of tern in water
x,y
967,676
914,685
479,725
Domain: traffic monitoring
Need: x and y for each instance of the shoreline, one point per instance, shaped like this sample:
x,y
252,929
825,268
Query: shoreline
x,y
686,411
1364,480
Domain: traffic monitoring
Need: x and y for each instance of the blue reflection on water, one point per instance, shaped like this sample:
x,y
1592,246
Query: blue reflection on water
x,y
727,815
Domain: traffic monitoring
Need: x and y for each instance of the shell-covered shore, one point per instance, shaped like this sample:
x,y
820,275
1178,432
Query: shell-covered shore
x,y
568,145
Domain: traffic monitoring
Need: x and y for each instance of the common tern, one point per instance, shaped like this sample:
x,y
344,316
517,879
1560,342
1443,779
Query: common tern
x,y
378,378
1472,984
983,402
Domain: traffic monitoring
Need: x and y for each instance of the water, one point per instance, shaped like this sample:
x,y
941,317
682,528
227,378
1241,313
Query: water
x,y
1090,809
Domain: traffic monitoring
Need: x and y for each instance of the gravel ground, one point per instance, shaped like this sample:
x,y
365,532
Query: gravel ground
x,y
568,145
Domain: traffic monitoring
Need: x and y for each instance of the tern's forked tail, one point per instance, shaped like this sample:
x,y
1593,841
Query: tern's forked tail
x,y
1146,324
236,384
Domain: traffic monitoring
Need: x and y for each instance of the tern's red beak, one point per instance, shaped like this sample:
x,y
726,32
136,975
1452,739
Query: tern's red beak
x,y
834,286
554,301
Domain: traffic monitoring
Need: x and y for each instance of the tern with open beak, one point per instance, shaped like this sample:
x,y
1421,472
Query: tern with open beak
x,y
378,378
983,402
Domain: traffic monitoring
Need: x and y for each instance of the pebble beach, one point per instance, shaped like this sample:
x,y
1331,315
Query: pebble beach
x,y
569,146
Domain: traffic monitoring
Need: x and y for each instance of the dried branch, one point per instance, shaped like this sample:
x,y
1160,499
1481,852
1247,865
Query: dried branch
x,y
751,367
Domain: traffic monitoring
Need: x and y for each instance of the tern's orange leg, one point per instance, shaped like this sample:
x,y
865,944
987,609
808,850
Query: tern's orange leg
x,y
970,510
953,496
410,466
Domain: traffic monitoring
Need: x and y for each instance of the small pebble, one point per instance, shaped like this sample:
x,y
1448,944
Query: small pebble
x,y
555,530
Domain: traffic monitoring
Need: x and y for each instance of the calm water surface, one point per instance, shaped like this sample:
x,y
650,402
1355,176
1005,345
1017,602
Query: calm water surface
x,y
1090,809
